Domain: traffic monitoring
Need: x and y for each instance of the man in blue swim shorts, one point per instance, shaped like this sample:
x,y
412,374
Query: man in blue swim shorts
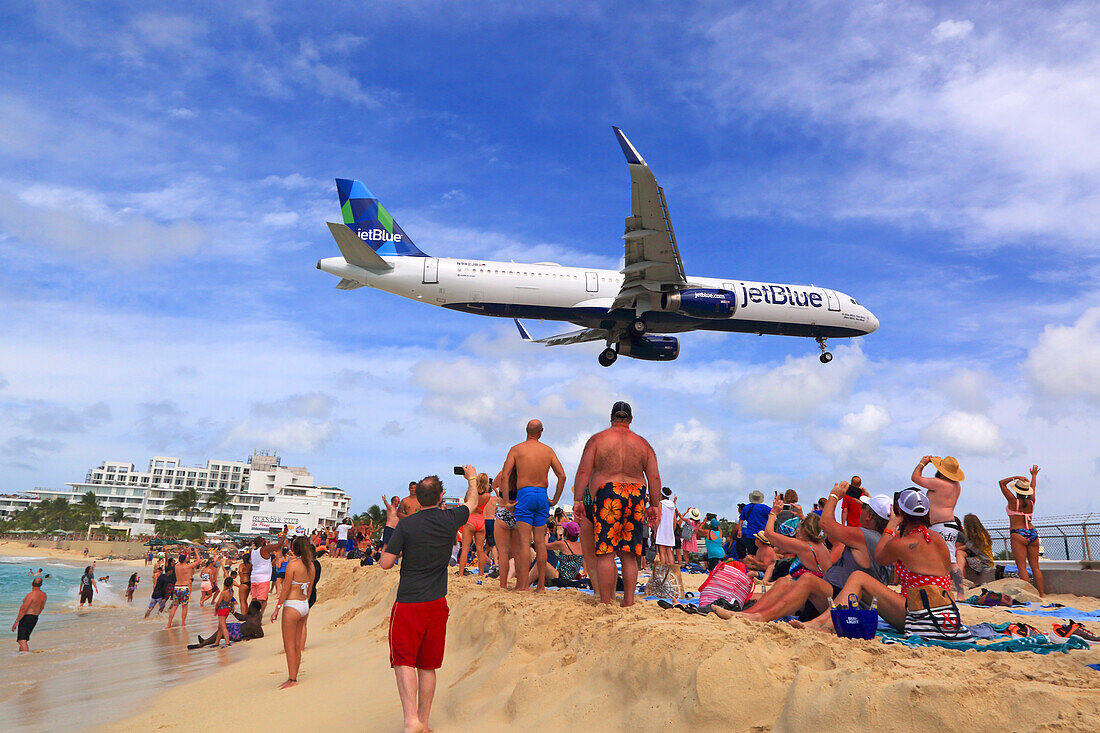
x,y
531,462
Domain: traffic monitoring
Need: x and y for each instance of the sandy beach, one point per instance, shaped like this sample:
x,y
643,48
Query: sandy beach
x,y
519,660
14,548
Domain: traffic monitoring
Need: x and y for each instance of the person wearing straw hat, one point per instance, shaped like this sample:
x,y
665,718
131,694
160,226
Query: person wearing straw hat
x,y
1020,494
943,494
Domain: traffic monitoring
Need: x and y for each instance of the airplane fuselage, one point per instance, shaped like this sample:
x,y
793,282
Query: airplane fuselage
x,y
583,296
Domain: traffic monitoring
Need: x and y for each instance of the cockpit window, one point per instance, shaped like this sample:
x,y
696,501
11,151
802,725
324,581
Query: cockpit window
x,y
854,301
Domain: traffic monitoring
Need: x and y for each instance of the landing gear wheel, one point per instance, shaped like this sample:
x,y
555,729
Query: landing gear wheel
x,y
638,327
826,357
608,357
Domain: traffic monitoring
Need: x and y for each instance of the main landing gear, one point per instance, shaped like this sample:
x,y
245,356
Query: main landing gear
x,y
826,355
608,357
638,327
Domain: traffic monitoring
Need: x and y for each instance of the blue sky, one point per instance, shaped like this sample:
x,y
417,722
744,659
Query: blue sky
x,y
165,176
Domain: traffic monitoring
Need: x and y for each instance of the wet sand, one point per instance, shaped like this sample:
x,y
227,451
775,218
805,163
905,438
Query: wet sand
x,y
95,666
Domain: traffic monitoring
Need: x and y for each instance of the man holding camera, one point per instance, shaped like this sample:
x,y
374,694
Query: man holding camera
x,y
418,621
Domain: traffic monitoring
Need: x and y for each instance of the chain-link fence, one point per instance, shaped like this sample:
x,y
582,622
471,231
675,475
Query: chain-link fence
x,y
1069,537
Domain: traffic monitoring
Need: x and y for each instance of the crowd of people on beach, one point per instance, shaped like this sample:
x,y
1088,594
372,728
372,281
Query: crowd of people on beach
x,y
777,561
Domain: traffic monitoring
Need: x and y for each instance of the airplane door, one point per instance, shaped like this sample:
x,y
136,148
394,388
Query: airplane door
x,y
431,270
592,282
834,302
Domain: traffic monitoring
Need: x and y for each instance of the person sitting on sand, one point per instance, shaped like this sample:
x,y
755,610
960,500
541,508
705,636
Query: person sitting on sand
x,y
974,550
1024,536
922,563
811,595
570,556
811,557
248,626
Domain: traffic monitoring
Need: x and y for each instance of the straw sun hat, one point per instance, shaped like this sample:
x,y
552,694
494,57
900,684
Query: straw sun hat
x,y
949,467
1023,487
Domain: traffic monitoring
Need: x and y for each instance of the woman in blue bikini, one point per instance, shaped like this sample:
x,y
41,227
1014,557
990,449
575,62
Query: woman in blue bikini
x,y
1020,494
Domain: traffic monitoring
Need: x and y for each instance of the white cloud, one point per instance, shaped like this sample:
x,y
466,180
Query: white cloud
x,y
689,443
969,389
992,135
1063,362
299,435
799,386
952,29
858,440
959,432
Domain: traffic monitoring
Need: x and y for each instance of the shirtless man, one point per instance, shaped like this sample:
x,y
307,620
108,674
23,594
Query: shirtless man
x,y
617,463
532,461
391,518
33,603
943,493
409,505
181,594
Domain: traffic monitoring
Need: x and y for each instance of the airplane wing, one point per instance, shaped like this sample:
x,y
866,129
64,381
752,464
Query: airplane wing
x,y
652,261
573,337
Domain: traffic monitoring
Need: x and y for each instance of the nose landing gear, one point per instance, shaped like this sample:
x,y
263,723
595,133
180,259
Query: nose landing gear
x,y
826,355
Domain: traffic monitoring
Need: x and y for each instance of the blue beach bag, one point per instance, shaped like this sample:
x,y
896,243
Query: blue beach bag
x,y
854,622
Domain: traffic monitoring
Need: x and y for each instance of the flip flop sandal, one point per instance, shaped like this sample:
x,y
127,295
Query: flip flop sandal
x,y
689,609
665,604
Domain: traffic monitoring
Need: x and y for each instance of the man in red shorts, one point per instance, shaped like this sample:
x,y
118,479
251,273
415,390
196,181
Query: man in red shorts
x,y
418,621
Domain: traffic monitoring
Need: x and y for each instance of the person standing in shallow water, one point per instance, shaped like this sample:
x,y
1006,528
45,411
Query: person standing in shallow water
x,y
33,604
618,463
87,586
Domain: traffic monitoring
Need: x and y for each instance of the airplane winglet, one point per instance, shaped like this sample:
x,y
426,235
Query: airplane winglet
x,y
355,250
631,153
522,331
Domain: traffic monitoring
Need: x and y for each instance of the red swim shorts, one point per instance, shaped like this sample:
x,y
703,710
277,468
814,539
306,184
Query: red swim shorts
x,y
259,591
418,633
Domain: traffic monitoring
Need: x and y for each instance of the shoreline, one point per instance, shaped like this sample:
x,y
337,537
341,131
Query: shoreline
x,y
18,548
512,657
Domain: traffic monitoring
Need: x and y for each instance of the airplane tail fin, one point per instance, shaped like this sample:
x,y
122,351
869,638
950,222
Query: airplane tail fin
x,y
366,217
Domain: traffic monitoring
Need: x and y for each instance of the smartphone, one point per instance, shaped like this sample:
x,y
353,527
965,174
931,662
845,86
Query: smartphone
x,y
460,471
897,509
786,507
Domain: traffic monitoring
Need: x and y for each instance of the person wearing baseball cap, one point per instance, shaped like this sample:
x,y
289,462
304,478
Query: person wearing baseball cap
x,y
943,494
921,561
812,596
1020,494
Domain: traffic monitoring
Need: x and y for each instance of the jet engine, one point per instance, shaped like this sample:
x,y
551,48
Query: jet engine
x,y
650,348
700,303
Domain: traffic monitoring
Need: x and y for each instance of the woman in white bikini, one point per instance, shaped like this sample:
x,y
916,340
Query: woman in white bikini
x,y
299,580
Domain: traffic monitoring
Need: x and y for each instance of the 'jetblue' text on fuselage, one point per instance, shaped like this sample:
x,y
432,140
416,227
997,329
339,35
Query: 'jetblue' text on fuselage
x,y
780,295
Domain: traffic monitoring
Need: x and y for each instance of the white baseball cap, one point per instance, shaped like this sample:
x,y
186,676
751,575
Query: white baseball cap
x,y
880,504
913,502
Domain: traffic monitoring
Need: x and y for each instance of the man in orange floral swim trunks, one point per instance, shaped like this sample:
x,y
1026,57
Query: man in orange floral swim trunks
x,y
618,464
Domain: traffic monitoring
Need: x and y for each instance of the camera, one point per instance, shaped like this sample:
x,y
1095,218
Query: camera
x,y
460,471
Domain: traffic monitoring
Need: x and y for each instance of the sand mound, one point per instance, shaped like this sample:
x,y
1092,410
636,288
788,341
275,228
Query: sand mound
x,y
515,659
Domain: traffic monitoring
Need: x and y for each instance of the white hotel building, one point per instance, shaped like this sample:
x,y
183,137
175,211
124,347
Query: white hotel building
x,y
264,495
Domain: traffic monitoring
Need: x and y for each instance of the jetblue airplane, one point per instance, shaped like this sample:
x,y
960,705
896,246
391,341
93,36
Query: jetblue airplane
x,y
651,295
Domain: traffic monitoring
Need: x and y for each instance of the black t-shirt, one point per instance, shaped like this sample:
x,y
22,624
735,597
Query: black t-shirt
x,y
85,582
424,541
160,588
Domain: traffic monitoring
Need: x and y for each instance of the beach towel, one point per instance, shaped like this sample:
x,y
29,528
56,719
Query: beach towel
x,y
1058,612
1037,644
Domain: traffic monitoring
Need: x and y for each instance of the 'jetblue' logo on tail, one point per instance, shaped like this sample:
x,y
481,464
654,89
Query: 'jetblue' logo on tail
x,y
379,235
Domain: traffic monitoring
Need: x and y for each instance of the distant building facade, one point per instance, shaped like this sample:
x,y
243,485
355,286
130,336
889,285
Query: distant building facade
x,y
264,495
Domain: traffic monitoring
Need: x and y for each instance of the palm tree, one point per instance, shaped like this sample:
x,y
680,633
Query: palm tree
x,y
218,499
184,502
58,512
88,507
221,523
119,515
